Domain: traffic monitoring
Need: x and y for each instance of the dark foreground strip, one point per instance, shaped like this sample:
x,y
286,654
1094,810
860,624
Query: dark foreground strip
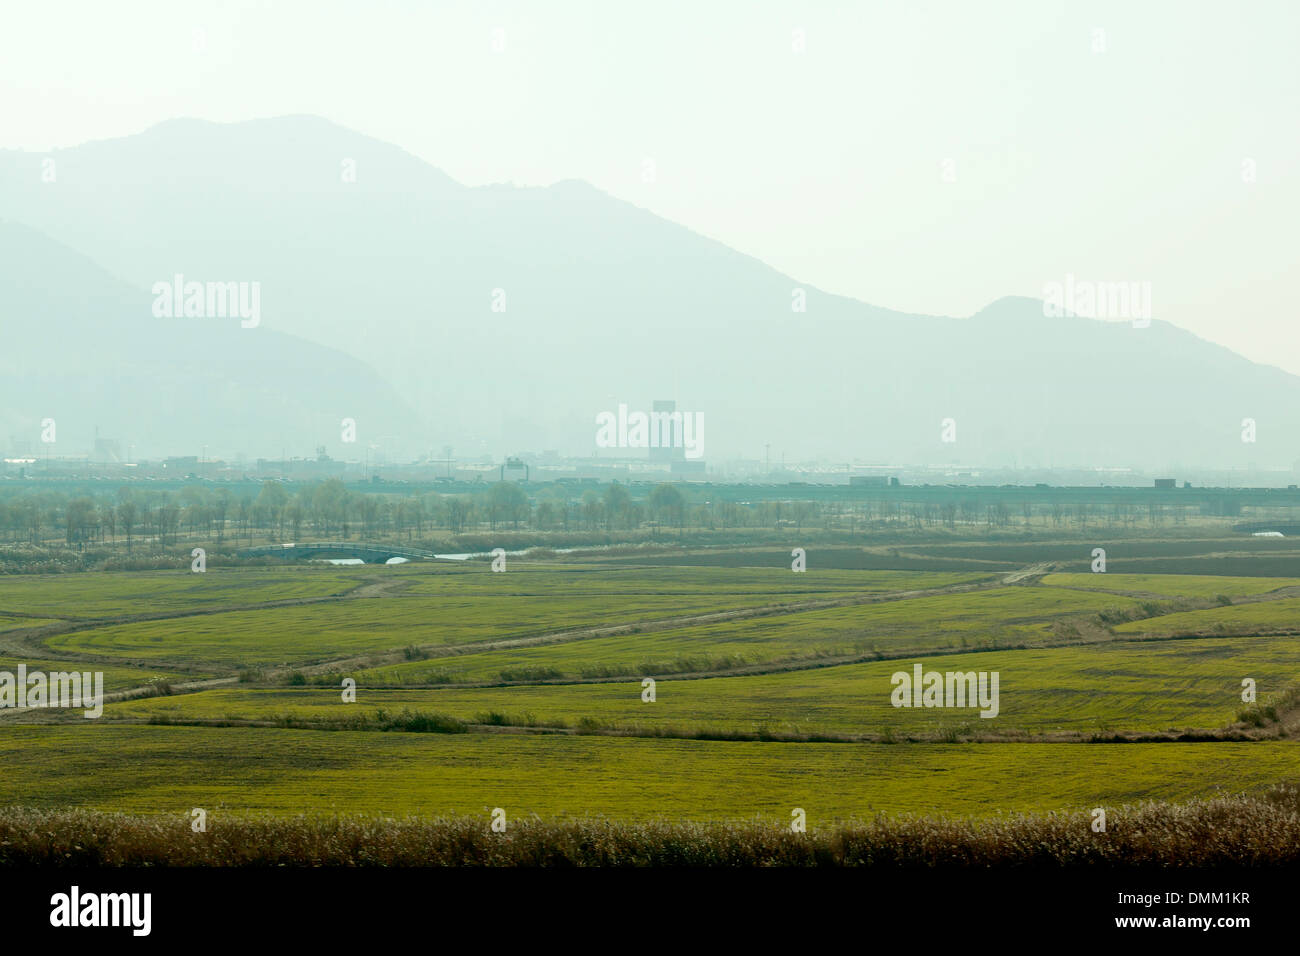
x,y
614,909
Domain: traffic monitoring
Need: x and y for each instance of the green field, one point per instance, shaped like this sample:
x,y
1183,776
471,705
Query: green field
x,y
820,560
1077,655
11,623
1173,585
173,769
123,593
602,580
950,622
1100,687
457,608
1119,545
1280,615
115,678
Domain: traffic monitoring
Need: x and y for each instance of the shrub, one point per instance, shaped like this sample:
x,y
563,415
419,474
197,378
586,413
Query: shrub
x,y
530,673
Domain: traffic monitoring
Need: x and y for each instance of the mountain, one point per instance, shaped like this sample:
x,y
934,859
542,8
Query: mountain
x,y
85,349
606,303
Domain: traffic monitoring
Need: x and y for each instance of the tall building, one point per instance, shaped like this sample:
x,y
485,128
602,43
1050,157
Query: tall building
x,y
668,427
108,450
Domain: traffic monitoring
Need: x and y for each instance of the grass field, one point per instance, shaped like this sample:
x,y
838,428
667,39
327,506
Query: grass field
x,y
1119,545
11,623
1078,655
1095,688
442,608
1280,615
115,678
819,559
1126,551
603,580
1231,565
120,593
172,769
1173,585
1002,616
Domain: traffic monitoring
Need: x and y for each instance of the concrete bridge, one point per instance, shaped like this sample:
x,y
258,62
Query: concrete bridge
x,y
369,553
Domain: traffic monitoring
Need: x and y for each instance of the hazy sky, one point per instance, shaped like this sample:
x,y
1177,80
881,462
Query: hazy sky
x,y
828,164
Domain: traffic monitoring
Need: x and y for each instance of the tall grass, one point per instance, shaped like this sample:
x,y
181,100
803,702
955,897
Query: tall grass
x,y
1241,830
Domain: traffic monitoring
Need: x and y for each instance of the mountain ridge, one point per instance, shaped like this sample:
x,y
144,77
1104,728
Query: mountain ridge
x,y
105,364
607,303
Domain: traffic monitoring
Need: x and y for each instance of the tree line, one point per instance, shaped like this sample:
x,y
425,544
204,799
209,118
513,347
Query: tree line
x,y
331,509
